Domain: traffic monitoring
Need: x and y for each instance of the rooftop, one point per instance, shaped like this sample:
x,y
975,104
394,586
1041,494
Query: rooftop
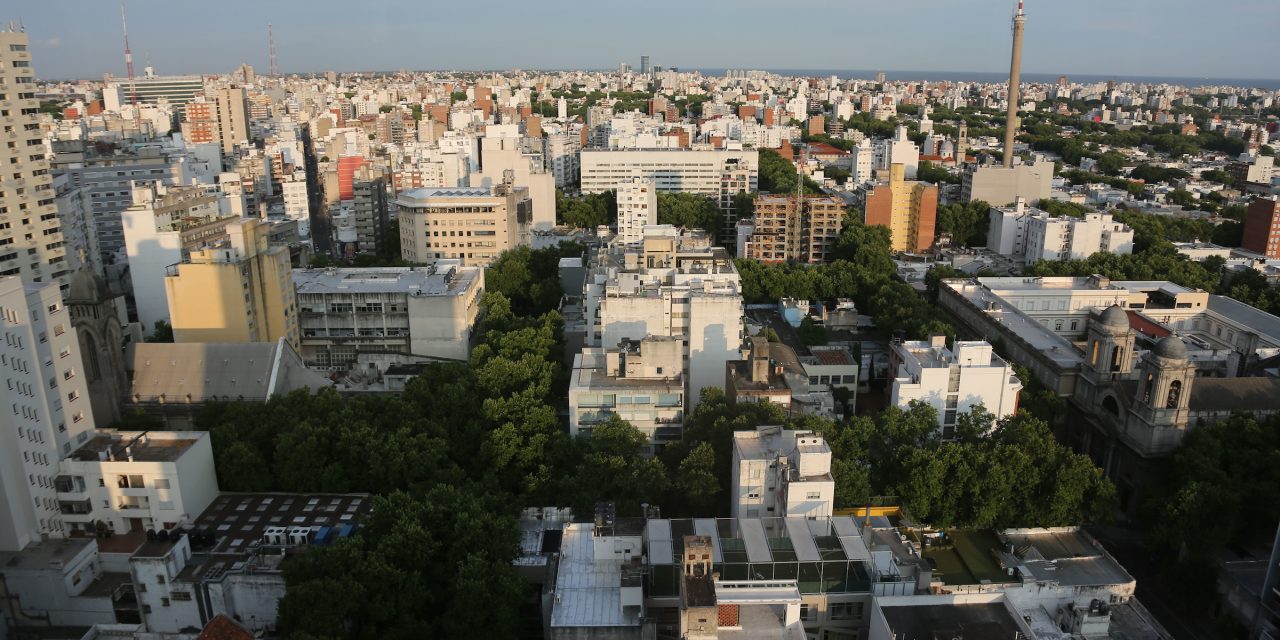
x,y
1040,337
1067,556
988,621
144,446
194,372
1255,319
436,280
413,196
588,593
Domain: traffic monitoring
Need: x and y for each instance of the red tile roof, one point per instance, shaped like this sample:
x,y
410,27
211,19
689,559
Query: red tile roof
x,y
223,628
1145,326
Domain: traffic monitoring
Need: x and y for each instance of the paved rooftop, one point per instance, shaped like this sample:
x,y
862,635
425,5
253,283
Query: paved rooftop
x,y
440,280
968,621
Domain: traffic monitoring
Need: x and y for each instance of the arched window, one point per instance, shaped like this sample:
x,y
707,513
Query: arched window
x,y
1111,406
1146,389
89,354
1115,359
1175,392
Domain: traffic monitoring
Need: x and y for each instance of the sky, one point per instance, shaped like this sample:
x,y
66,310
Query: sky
x,y
1170,38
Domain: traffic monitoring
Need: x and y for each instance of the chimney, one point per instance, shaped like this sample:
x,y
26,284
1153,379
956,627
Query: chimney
x,y
1015,75
759,360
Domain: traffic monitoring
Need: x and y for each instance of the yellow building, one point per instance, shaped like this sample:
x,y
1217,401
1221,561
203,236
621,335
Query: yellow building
x,y
470,224
238,291
909,208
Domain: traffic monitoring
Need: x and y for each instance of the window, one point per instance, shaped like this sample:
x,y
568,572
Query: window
x,y
813,495
845,610
164,602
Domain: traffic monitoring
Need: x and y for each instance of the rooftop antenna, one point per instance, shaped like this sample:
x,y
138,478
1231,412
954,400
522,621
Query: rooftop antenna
x,y
128,65
271,45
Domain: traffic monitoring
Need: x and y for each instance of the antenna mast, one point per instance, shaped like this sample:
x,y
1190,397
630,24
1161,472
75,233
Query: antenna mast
x,y
128,65
271,45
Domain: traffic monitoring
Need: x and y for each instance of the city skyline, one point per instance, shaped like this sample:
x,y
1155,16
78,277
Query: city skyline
x,y
1091,37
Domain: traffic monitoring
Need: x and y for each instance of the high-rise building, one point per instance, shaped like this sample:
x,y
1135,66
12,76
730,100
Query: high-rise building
x,y
50,416
233,118
471,224
369,209
644,65
240,290
200,122
637,208
174,90
787,229
31,242
909,208
1262,227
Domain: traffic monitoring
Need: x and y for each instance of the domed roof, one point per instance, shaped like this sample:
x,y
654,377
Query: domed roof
x,y
1171,348
1115,318
87,286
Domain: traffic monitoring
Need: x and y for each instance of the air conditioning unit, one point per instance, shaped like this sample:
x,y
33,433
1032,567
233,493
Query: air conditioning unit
x,y
274,536
299,536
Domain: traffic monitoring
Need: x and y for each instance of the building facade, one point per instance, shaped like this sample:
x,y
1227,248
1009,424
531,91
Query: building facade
x,y
953,381
639,381
907,207
472,225
787,229
237,291
1262,227
781,473
637,208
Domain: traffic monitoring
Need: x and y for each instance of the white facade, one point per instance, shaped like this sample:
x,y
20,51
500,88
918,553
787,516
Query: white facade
x,y
297,202
640,382
862,162
1070,238
1007,232
48,413
954,381
671,285
637,208
137,480
781,473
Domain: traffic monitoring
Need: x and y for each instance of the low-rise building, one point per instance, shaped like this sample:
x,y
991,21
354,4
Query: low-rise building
x,y
953,381
781,473
409,312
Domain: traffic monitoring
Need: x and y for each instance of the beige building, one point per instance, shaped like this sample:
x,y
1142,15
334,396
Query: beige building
x,y
640,381
237,291
233,121
908,207
470,224
31,244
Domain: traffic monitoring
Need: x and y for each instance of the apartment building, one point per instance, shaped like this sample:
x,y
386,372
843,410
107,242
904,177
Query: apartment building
x,y
637,208
953,380
472,224
1069,238
233,119
670,285
790,229
47,410
240,290
31,236
424,312
175,90
1000,186
1262,227
781,473
640,381
719,174
369,209
907,207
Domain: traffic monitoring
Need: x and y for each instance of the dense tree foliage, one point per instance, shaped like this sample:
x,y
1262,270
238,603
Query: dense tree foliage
x,y
927,172
588,211
863,270
1063,208
689,210
967,222
778,175
530,280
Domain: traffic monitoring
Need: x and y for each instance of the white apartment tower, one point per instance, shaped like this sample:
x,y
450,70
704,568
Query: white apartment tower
x,y
31,244
46,410
781,473
637,208
1068,238
953,380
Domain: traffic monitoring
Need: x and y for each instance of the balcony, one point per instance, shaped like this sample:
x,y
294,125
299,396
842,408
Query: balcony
x,y
75,507
133,504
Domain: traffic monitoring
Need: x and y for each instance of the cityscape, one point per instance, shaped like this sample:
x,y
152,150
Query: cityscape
x,y
643,348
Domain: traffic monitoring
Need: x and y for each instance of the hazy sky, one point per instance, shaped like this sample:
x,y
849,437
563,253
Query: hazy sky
x,y
1223,38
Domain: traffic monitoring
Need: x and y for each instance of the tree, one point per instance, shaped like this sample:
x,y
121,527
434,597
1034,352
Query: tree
x,y
811,333
162,332
967,222
696,483
689,210
1110,163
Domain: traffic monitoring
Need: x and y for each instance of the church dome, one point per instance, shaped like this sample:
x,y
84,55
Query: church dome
x,y
1171,348
1115,318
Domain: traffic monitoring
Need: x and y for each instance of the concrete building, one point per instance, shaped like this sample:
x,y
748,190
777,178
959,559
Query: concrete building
x,y
562,152
999,185
233,120
1262,227
136,481
507,157
671,285
1253,169
161,228
237,291
719,174
471,224
909,208
423,312
785,229
1030,234
173,90
780,473
46,385
953,381
108,177
639,381
369,209
173,381
31,234
767,372
637,208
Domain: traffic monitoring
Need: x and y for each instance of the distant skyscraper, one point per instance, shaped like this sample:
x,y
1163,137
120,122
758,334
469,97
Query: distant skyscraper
x,y
233,122
880,78
644,65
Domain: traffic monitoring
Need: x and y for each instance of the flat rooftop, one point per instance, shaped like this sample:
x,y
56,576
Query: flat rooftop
x,y
1043,283
237,520
588,593
1059,349
1257,320
988,621
439,280
147,446
450,192
1068,557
